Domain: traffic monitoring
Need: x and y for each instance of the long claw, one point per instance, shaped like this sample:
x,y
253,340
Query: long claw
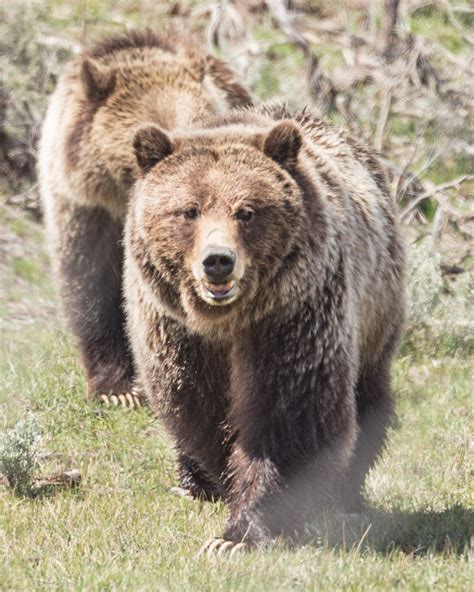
x,y
210,545
181,492
221,547
205,547
227,546
214,546
133,399
239,547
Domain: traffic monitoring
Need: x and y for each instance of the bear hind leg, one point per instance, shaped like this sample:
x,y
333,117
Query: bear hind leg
x,y
375,411
90,260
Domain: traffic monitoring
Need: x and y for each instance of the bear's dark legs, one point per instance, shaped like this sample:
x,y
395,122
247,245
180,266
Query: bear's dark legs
x,y
294,415
90,256
195,482
268,500
187,379
374,410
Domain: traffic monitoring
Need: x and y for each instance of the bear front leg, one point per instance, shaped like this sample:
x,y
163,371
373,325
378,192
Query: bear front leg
x,y
293,410
89,256
194,482
186,382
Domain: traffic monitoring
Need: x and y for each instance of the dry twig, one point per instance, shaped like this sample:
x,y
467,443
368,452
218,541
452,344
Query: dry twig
x,y
454,21
322,90
384,113
433,191
391,37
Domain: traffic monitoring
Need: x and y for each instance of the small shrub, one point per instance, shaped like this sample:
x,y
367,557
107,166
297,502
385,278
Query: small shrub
x,y
424,286
19,456
29,70
439,314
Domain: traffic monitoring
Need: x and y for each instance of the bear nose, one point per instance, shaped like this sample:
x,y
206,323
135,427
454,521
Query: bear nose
x,y
218,263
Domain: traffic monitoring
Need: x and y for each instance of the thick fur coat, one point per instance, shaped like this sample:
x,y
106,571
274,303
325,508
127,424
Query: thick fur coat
x,y
87,166
275,383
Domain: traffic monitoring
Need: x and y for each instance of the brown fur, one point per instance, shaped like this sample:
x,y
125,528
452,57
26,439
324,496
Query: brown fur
x,y
87,166
281,397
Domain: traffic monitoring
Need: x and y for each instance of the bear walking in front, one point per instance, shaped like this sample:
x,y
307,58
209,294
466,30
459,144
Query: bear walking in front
x,y
87,166
264,290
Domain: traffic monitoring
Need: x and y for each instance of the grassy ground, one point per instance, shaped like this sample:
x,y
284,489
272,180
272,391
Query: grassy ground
x,y
123,530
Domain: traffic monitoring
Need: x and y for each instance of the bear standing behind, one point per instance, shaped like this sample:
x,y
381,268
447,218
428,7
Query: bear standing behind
x,y
264,289
87,166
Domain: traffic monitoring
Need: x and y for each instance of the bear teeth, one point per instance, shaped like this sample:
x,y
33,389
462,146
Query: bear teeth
x,y
216,293
219,288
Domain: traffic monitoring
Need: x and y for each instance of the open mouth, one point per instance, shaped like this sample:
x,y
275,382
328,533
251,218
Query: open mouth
x,y
219,292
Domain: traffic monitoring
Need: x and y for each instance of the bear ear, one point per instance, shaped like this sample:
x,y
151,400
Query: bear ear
x,y
283,143
151,145
98,80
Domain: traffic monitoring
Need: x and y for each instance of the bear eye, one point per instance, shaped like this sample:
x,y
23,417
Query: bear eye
x,y
244,215
191,214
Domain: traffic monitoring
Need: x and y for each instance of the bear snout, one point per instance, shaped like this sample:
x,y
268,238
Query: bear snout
x,y
218,263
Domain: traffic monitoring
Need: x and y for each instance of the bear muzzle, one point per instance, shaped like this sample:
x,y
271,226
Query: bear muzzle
x,y
218,263
218,284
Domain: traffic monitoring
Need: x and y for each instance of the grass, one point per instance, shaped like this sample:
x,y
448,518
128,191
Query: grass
x,y
123,530
435,23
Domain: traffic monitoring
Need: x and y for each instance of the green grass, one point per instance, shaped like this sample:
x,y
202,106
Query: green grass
x,y
434,23
123,530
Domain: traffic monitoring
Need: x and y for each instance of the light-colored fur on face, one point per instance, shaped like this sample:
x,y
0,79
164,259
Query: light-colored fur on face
x,y
210,175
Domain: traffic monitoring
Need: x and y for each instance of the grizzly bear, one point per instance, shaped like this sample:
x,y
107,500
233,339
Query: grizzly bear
x,y
264,282
87,166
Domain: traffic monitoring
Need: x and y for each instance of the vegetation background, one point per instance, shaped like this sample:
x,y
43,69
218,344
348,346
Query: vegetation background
x,y
399,74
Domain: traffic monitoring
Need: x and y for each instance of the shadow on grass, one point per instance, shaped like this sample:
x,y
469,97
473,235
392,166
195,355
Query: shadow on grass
x,y
418,533
44,487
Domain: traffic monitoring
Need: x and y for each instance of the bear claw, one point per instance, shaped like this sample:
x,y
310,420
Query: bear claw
x,y
181,492
221,547
129,400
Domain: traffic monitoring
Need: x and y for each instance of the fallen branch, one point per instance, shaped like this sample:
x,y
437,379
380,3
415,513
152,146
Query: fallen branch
x,y
438,222
391,37
414,177
433,191
454,21
409,160
384,113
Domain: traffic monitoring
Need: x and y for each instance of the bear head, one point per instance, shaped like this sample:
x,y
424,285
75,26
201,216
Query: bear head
x,y
118,91
219,215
